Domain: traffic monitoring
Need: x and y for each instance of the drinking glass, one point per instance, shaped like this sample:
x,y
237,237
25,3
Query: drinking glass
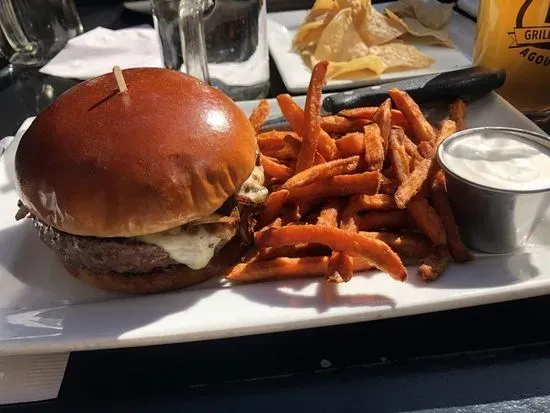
x,y
37,29
515,35
222,42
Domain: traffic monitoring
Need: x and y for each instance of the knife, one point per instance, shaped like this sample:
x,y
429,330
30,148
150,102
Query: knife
x,y
465,83
468,84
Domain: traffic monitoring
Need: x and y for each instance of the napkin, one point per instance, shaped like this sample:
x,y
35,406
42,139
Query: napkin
x,y
31,378
96,52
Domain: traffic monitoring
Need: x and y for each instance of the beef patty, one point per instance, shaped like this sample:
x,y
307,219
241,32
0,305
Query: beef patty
x,y
122,255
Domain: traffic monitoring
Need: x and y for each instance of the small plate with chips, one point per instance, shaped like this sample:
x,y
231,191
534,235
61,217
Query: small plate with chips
x,y
367,45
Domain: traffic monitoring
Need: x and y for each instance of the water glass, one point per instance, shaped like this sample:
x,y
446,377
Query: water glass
x,y
37,29
223,42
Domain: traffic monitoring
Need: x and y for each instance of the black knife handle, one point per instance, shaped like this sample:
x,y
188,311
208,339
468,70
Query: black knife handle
x,y
463,83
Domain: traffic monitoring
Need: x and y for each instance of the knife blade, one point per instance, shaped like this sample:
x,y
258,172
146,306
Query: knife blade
x,y
468,84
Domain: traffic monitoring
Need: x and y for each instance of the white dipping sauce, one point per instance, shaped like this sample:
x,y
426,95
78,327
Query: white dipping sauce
x,y
498,159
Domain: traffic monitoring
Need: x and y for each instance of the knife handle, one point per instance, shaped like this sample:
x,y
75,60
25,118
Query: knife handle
x,y
463,83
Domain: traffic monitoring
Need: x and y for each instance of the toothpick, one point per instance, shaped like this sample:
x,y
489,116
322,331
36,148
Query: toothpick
x,y
121,83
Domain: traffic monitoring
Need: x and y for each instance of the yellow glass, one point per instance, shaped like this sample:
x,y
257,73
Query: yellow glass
x,y
515,35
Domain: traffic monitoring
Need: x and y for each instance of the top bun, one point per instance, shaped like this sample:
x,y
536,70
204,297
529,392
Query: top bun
x,y
102,163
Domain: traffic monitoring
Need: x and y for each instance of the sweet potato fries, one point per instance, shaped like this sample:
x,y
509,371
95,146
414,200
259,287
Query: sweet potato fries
x,y
353,191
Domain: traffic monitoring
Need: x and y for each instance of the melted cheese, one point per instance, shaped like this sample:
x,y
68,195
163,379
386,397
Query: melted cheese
x,y
194,249
253,188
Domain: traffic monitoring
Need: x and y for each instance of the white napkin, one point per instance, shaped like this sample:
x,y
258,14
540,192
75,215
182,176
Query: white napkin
x,y
31,378
97,51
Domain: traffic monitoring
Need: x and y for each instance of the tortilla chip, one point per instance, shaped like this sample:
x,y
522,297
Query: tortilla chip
x,y
308,34
321,7
388,57
400,56
375,28
339,41
430,13
359,68
433,14
403,8
358,41
417,29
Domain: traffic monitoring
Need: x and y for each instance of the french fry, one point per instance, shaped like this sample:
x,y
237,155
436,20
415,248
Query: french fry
x,y
351,144
326,217
329,214
348,219
411,148
277,223
293,251
293,143
433,266
443,209
374,147
341,185
377,252
405,244
295,117
369,112
339,124
274,139
457,113
448,127
421,128
339,268
259,115
312,115
284,153
287,268
398,155
425,149
413,183
323,171
383,117
376,220
318,160
387,186
273,206
428,150
274,169
427,220
377,202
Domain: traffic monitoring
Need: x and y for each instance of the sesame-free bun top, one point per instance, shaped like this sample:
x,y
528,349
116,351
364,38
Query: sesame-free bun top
x,y
102,163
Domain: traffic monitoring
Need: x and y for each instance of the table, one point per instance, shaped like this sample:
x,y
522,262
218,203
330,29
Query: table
x,y
488,358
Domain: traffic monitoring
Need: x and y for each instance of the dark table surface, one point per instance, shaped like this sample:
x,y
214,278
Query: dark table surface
x,y
492,358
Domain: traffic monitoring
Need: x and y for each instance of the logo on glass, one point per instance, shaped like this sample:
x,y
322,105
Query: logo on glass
x,y
533,37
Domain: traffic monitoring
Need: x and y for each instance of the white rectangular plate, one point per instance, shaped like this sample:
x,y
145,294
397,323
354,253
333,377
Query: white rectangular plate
x,y
43,309
282,26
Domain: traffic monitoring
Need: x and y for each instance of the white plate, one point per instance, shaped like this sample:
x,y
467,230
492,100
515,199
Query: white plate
x,y
282,27
43,309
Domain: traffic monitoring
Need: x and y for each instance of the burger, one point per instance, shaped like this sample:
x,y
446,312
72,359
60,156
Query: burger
x,y
148,190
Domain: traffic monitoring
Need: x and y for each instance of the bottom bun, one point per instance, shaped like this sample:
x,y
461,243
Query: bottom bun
x,y
174,278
